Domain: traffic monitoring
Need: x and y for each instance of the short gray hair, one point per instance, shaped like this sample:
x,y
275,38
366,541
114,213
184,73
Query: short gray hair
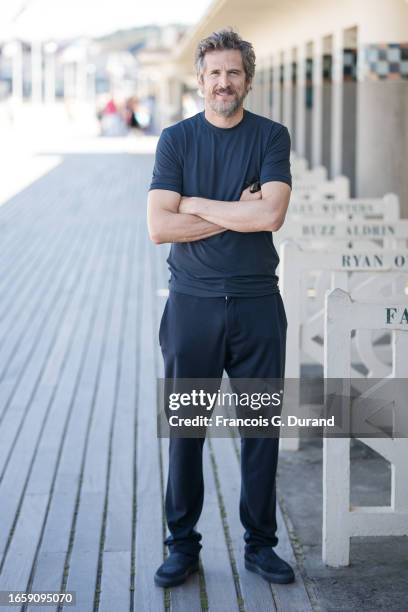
x,y
226,39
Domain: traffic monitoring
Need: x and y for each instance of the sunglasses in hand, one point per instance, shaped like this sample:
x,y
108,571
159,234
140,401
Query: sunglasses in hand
x,y
254,185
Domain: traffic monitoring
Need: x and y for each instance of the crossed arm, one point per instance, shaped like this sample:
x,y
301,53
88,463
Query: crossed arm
x,y
173,218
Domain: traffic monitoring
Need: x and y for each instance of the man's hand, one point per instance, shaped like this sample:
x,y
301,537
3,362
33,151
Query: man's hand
x,y
248,195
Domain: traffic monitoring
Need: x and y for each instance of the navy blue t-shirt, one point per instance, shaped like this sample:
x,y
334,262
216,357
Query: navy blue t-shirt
x,y
196,158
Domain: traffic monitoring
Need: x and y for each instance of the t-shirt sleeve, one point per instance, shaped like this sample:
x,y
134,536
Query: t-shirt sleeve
x,y
276,162
168,170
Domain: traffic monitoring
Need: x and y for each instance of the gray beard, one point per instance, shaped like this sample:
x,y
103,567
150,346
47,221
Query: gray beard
x,y
226,109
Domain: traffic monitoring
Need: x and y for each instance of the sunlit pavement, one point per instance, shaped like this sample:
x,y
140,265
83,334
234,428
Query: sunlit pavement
x,y
34,139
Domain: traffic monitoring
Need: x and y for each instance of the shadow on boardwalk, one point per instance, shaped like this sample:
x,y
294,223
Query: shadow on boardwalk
x,y
82,471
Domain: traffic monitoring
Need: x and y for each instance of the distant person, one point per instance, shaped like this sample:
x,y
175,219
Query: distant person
x,y
110,108
224,309
112,123
143,114
130,115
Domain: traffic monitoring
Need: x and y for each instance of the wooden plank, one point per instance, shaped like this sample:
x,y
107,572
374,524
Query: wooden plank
x,y
23,214
66,484
63,502
17,346
149,546
289,596
25,266
48,577
54,538
286,596
255,591
82,578
30,524
32,216
25,535
20,464
120,511
48,572
23,243
83,374
87,531
115,593
218,572
189,595
15,575
60,375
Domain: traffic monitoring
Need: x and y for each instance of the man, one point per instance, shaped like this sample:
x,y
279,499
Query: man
x,y
224,309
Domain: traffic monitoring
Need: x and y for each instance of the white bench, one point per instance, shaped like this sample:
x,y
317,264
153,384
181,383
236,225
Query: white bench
x,y
318,174
341,521
298,165
321,232
306,275
386,208
310,188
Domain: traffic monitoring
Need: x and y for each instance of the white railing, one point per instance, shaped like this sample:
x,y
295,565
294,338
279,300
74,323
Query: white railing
x,y
341,520
306,275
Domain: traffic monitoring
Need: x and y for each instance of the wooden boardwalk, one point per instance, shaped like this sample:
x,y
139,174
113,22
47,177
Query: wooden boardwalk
x,y
82,472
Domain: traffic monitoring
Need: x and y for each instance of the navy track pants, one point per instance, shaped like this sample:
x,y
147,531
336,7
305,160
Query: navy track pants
x,y
200,338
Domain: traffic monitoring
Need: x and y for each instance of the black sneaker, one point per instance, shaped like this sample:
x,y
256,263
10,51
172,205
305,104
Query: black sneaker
x,y
265,562
176,569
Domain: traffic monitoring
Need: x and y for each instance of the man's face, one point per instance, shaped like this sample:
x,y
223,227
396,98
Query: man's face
x,y
223,81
